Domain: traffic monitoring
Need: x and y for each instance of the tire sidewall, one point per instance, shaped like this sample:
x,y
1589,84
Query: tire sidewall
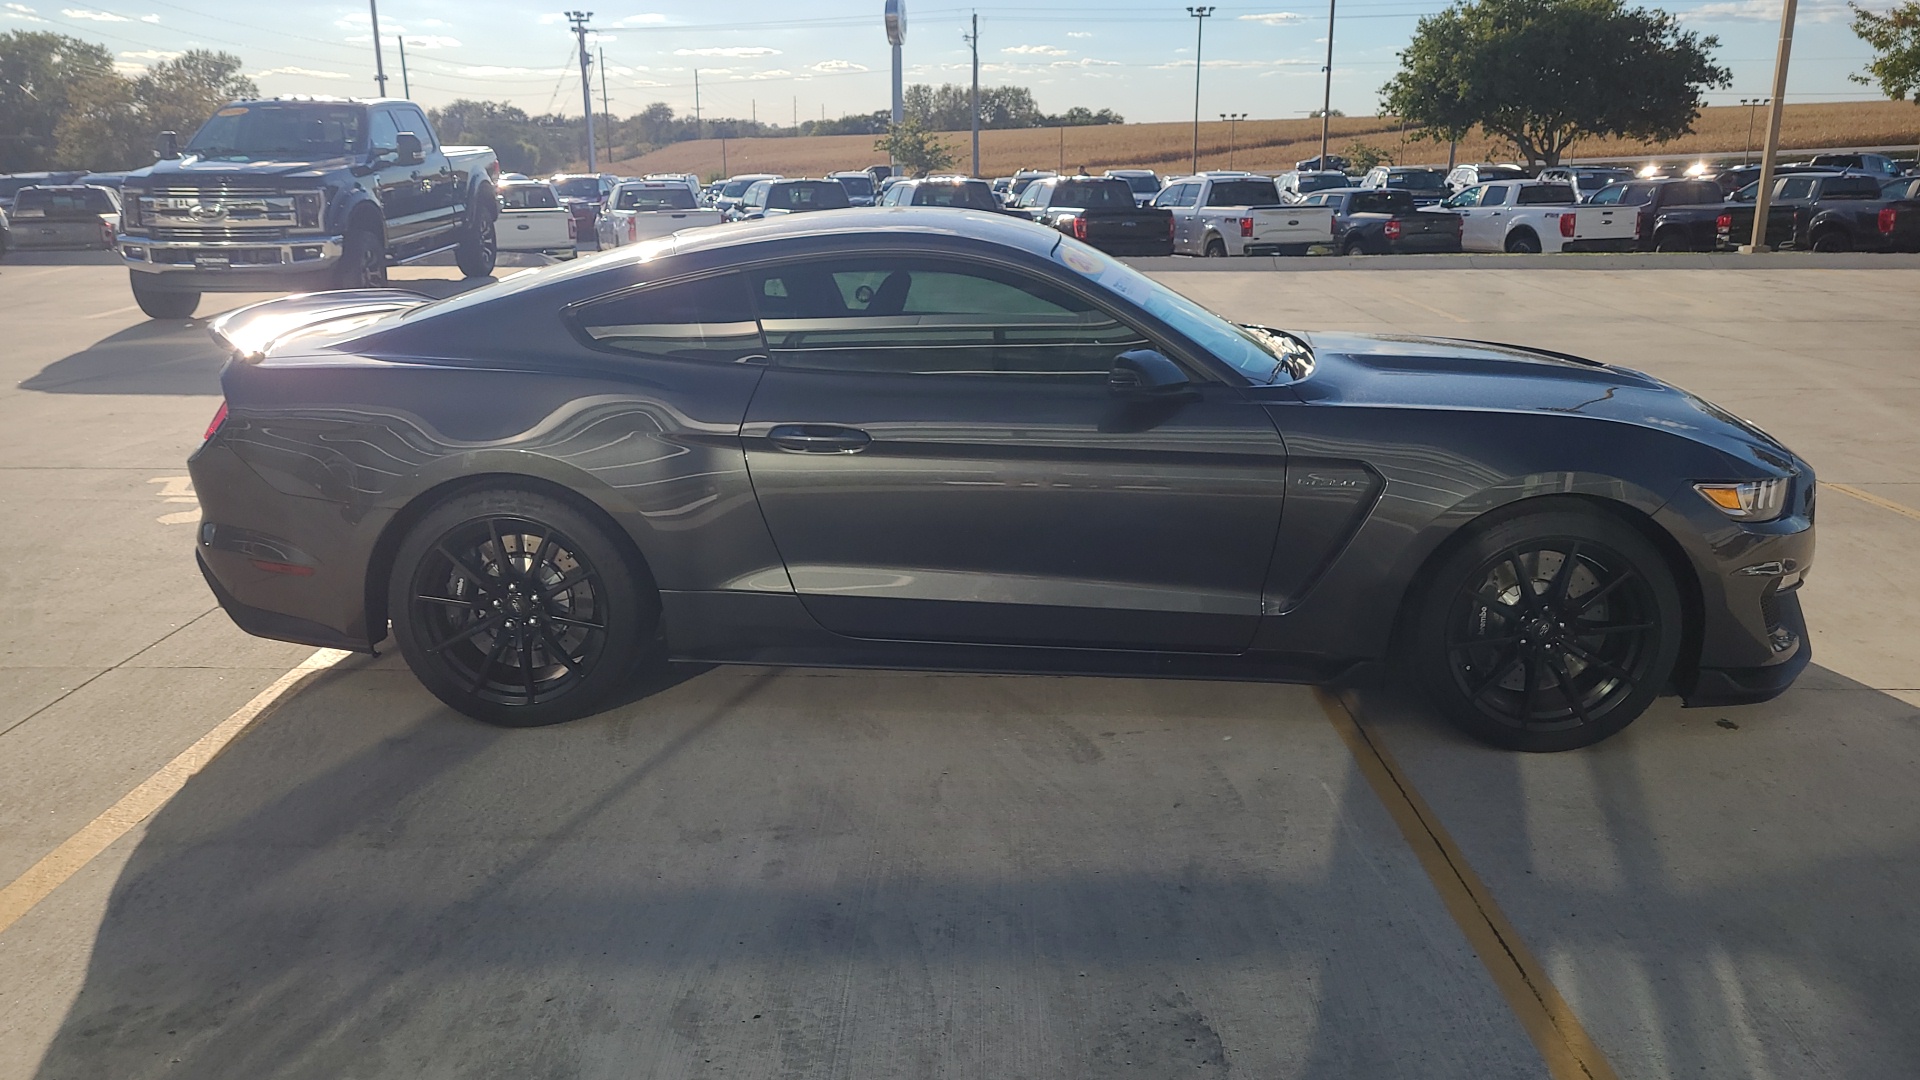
x,y
632,619
1430,667
358,266
479,252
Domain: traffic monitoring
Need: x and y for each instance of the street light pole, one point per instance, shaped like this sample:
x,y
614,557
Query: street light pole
x,y
1200,15
1763,201
379,62
1326,101
1233,127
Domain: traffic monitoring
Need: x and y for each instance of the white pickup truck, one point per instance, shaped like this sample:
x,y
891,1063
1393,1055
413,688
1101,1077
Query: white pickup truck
x,y
532,219
1527,216
643,209
1222,214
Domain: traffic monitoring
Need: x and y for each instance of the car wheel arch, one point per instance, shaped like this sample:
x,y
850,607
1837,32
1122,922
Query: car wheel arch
x,y
1686,576
387,545
365,215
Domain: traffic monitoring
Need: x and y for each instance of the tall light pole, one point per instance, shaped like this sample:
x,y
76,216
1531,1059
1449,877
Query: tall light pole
x,y
1233,123
1747,155
579,21
973,41
1763,202
1200,15
606,106
1326,102
406,85
379,63
895,17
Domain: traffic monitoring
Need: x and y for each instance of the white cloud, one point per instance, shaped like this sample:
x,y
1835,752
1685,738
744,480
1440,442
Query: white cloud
x,y
836,67
1274,18
21,12
435,23
1761,11
771,73
303,73
430,41
1084,62
650,18
149,18
92,16
1079,33
734,52
150,54
1035,50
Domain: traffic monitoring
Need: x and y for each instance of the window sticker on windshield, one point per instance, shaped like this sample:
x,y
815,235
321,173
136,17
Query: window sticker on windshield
x,y
235,110
1081,260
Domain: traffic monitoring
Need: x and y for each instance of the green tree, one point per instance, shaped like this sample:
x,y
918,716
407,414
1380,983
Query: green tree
x,y
1894,36
39,75
918,150
101,128
179,94
1364,156
1544,74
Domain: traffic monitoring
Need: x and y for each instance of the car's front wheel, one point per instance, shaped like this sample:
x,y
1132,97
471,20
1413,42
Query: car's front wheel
x,y
517,609
1548,631
479,249
162,304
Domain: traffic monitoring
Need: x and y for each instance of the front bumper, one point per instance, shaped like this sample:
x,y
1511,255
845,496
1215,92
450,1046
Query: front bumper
x,y
229,265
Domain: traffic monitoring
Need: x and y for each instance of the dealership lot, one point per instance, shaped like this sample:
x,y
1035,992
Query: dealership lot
x,y
766,872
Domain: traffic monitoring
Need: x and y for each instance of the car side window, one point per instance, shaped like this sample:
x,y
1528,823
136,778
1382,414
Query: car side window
x,y
1796,187
756,194
1607,196
383,133
1031,196
1493,195
410,119
928,316
1468,198
709,319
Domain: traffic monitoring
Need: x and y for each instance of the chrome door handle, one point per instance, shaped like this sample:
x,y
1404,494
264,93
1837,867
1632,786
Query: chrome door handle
x,y
818,438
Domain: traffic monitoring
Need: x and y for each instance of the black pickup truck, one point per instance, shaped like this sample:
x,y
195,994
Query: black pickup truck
x,y
1824,212
1674,214
1100,211
300,194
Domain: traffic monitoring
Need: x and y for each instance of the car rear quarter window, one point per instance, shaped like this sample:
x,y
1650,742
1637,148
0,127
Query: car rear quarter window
x,y
1796,187
708,319
527,197
1381,202
905,316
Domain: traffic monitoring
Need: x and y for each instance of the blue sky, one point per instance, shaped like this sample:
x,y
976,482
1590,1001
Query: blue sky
x,y
777,59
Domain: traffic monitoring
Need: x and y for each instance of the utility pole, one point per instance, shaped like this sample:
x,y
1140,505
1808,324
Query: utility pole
x,y
579,21
1326,102
1233,126
1763,201
699,130
406,86
379,63
1200,15
606,108
973,40
1746,155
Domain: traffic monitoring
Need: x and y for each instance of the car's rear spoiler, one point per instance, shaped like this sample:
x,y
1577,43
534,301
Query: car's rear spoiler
x,y
252,331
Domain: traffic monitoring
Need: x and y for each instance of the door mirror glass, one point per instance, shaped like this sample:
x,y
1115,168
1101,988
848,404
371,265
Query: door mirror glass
x,y
1146,372
409,149
166,145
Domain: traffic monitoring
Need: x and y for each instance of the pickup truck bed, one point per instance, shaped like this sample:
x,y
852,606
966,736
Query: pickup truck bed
x,y
532,220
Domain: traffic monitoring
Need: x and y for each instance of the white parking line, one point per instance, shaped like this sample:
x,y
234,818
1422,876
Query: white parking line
x,y
116,311
137,805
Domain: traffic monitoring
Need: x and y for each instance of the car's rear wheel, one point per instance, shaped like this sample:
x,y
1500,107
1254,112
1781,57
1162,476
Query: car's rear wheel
x,y
1216,248
159,304
479,249
1671,242
517,609
1832,240
1523,242
1548,631
1355,246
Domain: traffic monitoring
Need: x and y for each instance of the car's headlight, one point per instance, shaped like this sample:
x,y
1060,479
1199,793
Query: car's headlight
x,y
1753,500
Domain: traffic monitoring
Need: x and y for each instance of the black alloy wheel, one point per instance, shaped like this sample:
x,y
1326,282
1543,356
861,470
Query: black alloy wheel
x,y
1549,631
516,609
363,262
480,250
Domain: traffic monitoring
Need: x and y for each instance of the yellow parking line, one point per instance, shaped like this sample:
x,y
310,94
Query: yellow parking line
x,y
1870,497
1569,1052
82,847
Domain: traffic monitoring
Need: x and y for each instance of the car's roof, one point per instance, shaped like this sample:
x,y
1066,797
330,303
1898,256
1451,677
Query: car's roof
x,y
864,222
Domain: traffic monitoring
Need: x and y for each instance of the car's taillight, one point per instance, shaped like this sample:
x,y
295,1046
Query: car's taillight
x,y
1169,226
493,169
1393,230
1888,215
219,419
1566,225
1246,226
1724,222
1079,228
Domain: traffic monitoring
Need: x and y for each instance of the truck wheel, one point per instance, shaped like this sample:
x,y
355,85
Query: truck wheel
x,y
162,305
1216,249
478,250
363,262
1832,240
1670,242
1355,246
1523,242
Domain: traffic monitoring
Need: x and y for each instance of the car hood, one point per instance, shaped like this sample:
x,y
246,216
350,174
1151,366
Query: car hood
x,y
1390,371
244,171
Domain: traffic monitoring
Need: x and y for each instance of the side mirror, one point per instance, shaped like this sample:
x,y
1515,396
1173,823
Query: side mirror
x,y
166,146
1146,373
409,149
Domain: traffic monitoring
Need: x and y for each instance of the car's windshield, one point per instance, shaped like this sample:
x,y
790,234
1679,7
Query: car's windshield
x,y
807,195
1263,356
1320,181
1142,185
667,197
1418,180
735,188
856,184
527,197
295,130
1594,179
1093,194
1261,192
578,187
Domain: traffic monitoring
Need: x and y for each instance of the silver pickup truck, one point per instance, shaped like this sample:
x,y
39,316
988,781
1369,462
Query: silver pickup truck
x,y
532,220
643,209
1222,214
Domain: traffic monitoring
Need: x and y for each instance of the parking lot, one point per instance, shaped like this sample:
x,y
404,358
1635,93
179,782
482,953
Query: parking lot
x,y
763,872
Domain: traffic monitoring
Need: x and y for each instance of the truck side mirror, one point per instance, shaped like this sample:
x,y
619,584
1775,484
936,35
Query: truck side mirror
x,y
409,149
166,145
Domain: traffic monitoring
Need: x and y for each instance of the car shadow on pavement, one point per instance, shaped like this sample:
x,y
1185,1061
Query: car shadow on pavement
x,y
59,257
890,874
174,356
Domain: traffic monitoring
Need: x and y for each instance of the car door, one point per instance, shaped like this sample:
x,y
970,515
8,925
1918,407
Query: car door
x,y
442,194
1463,205
939,457
401,199
1487,227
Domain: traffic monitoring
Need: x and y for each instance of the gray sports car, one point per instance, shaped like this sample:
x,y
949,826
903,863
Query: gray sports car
x,y
915,437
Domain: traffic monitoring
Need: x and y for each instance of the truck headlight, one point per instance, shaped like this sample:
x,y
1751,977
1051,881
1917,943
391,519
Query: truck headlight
x,y
306,208
1752,500
130,217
